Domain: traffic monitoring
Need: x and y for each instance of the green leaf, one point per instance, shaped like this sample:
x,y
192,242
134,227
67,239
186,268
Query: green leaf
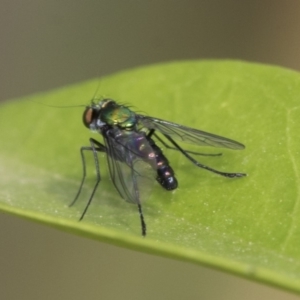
x,y
248,226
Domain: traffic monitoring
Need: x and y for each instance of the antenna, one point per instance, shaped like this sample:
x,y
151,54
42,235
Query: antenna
x,y
70,106
57,106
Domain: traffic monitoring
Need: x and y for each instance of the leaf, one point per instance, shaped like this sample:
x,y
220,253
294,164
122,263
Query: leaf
x,y
247,226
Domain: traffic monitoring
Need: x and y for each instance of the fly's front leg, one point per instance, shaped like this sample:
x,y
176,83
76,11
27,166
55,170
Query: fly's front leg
x,y
95,147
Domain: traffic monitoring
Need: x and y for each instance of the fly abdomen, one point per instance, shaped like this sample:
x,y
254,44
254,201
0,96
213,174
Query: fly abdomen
x,y
165,174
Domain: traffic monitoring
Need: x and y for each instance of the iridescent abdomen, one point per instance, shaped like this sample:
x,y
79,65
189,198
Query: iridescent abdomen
x,y
165,173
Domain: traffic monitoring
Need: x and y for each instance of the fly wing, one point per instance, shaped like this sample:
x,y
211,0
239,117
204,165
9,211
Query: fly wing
x,y
187,134
131,163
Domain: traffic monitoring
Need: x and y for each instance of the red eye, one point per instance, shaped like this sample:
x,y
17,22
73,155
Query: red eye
x,y
87,117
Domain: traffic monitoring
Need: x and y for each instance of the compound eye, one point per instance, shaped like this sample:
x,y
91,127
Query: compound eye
x,y
87,117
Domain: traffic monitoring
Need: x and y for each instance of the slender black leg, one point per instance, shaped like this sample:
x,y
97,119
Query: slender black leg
x,y
95,147
143,224
137,199
152,132
231,175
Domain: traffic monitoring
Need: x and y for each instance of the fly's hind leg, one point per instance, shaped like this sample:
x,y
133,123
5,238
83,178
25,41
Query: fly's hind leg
x,y
152,132
95,147
198,164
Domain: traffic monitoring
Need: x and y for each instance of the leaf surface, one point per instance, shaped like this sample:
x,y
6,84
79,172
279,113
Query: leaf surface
x,y
248,226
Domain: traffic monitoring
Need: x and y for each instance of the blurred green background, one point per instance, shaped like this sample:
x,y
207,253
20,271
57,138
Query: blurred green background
x,y
48,44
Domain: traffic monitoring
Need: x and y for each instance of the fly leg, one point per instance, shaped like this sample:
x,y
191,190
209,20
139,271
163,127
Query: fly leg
x,y
137,199
195,162
95,147
143,224
152,132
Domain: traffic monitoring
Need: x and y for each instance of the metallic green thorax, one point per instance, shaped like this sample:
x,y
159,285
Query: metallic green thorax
x,y
118,115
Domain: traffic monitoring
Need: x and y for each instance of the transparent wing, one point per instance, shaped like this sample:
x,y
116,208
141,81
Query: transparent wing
x,y
132,164
187,134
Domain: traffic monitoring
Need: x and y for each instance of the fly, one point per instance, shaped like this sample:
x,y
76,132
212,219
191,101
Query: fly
x,y
133,157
